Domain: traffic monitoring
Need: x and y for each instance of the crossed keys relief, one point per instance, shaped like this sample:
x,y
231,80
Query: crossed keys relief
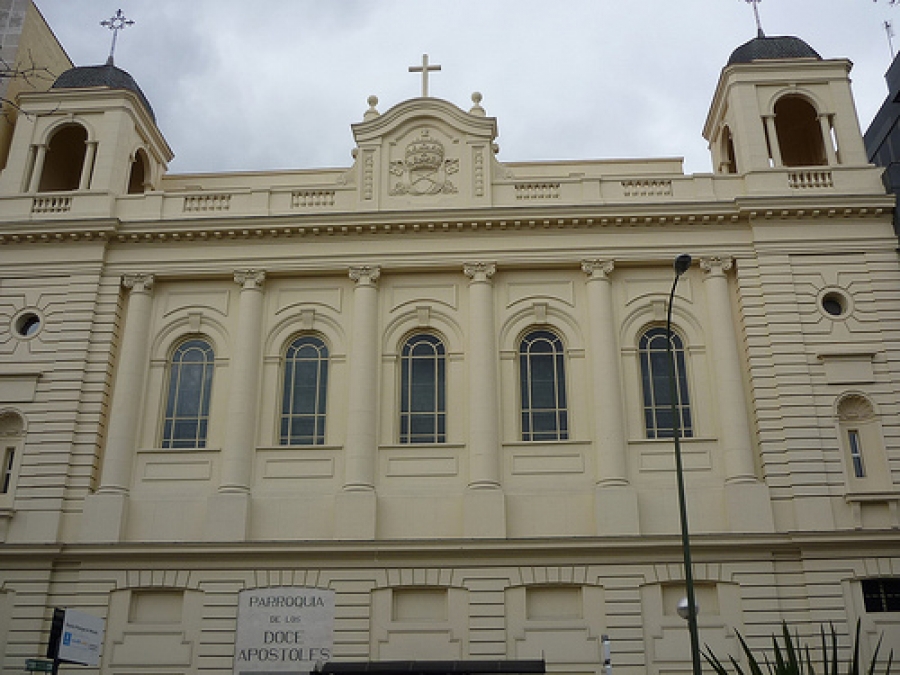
x,y
424,170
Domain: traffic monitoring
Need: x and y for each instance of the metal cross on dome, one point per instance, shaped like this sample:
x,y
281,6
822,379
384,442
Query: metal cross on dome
x,y
755,4
115,24
425,68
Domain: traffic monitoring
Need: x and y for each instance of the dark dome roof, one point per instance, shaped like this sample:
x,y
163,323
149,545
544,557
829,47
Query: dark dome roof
x,y
762,47
101,76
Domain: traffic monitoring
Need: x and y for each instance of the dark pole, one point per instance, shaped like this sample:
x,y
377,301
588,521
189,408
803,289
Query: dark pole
x,y
682,263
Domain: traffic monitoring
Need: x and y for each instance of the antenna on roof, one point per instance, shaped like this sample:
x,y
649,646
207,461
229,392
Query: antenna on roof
x,y
889,29
115,24
759,30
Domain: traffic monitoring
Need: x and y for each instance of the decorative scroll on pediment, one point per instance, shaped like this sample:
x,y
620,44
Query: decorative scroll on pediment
x,y
425,169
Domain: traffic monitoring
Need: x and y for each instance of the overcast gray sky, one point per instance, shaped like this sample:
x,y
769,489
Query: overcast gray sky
x,y
275,84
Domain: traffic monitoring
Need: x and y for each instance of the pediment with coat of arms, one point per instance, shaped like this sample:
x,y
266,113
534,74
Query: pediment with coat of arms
x,y
425,169
427,150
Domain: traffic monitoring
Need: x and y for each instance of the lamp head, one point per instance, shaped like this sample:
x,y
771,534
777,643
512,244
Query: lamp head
x,y
683,608
682,263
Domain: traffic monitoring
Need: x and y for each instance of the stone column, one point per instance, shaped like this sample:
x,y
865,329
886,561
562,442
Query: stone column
x,y
355,515
484,502
105,511
772,134
827,140
736,440
239,442
608,409
90,154
484,421
362,441
747,499
40,156
615,500
121,440
228,514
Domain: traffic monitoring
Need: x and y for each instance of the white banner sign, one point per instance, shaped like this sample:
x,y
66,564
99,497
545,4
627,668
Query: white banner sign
x,y
285,629
81,639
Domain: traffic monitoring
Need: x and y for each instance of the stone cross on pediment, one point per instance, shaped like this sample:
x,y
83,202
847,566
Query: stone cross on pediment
x,y
425,68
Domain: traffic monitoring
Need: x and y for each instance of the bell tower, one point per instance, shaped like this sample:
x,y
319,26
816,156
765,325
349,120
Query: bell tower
x,y
778,104
92,132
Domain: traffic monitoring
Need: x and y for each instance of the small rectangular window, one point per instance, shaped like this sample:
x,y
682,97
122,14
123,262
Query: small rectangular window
x,y
881,595
856,458
6,470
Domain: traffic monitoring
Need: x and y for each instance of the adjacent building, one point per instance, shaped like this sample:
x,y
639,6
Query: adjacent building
x,y
433,385
32,59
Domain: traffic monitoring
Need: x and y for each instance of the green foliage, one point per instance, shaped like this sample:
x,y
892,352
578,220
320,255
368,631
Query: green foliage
x,y
793,658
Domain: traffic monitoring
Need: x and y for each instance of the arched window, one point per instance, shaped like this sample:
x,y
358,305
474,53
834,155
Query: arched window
x,y
423,383
859,428
12,436
542,378
799,133
65,159
188,393
656,389
304,393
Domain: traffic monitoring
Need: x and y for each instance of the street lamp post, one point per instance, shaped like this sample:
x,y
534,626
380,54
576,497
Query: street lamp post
x,y
682,263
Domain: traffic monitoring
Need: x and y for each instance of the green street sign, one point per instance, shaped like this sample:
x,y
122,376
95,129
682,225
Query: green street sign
x,y
39,666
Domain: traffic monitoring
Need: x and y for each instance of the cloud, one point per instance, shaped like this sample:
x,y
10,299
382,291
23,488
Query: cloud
x,y
277,83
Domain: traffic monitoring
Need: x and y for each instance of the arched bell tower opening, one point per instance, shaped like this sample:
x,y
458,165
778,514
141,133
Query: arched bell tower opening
x,y
799,133
64,163
139,176
779,106
92,132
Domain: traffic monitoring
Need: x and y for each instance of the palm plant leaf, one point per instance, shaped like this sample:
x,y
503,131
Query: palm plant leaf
x,y
795,658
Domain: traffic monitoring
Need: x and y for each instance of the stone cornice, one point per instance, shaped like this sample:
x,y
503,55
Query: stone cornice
x,y
53,231
716,548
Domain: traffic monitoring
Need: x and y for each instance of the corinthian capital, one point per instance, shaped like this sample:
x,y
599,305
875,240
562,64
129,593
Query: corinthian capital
x,y
365,275
138,283
716,265
596,268
479,271
250,279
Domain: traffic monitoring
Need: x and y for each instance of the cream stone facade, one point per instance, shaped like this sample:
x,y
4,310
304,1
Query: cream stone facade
x,y
430,383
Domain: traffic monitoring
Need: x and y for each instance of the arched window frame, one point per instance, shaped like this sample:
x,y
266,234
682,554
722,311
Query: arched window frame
x,y
304,392
806,142
423,389
60,171
139,174
655,389
12,445
188,390
543,398
861,439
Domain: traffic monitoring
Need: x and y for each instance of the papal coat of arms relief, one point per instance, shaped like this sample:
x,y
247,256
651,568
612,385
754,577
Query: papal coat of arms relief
x,y
424,170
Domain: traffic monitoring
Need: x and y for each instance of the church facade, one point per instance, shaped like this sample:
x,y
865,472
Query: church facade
x,y
435,386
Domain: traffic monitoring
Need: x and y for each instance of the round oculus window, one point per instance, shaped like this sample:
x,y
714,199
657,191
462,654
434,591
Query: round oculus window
x,y
834,304
28,324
